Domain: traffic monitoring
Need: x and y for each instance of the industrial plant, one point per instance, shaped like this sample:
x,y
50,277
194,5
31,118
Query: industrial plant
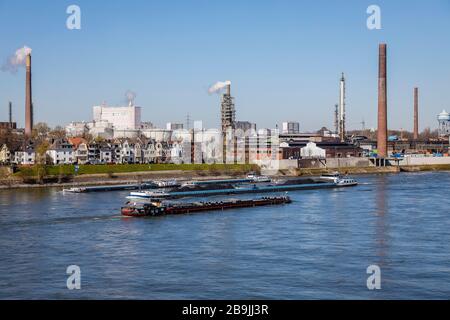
x,y
125,138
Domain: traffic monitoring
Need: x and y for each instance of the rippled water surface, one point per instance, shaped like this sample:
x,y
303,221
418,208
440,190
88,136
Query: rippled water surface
x,y
318,247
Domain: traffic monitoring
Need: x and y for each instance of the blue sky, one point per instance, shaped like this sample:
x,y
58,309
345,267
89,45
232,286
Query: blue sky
x,y
283,57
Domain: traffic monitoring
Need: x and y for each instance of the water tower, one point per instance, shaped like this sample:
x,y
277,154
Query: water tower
x,y
444,123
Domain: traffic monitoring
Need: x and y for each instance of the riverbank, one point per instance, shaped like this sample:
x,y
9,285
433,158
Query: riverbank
x,y
188,175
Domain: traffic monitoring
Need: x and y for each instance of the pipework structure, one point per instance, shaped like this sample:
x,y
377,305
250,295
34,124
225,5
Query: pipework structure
x,y
228,110
336,119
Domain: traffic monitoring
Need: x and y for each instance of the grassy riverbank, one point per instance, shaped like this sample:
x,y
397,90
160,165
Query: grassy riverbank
x,y
129,168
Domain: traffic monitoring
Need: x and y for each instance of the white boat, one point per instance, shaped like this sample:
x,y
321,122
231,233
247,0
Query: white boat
x,y
337,178
344,182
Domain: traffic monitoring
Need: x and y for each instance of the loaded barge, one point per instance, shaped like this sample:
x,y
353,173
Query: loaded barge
x,y
120,187
226,189
163,184
157,208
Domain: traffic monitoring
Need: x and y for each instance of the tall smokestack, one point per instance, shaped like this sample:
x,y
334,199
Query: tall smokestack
x,y
28,99
416,113
342,109
382,103
229,89
10,114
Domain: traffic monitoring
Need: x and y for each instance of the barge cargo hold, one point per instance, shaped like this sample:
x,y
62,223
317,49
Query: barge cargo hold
x,y
159,209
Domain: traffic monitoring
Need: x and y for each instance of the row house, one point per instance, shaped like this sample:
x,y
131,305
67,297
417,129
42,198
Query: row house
x,y
25,156
60,152
118,151
5,155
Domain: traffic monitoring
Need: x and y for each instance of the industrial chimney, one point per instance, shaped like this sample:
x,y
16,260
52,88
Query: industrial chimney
x,y
416,113
382,103
342,109
10,114
28,99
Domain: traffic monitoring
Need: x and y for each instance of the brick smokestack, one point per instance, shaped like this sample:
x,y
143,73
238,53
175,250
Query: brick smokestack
x,y
10,113
382,103
28,99
416,113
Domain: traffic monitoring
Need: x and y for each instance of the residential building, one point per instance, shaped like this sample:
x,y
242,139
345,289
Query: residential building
x,y
5,155
105,153
25,156
60,152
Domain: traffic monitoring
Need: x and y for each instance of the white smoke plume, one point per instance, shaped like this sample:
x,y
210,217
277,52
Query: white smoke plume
x,y
218,86
130,96
16,60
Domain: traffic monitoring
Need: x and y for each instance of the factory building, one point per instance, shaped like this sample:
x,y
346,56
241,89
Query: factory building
x,y
174,126
293,150
121,118
245,126
290,128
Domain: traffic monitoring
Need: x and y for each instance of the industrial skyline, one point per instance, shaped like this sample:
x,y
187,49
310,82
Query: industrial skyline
x,y
299,83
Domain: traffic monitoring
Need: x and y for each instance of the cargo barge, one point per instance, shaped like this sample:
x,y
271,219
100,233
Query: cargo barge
x,y
227,189
159,209
162,184
121,187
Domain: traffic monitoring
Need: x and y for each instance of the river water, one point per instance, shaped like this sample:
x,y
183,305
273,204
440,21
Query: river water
x,y
318,247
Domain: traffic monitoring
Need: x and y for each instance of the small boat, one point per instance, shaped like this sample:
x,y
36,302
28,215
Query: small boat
x,y
346,182
338,179
157,208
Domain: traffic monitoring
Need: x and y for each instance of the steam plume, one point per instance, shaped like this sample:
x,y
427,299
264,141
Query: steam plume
x,y
218,86
16,60
131,96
